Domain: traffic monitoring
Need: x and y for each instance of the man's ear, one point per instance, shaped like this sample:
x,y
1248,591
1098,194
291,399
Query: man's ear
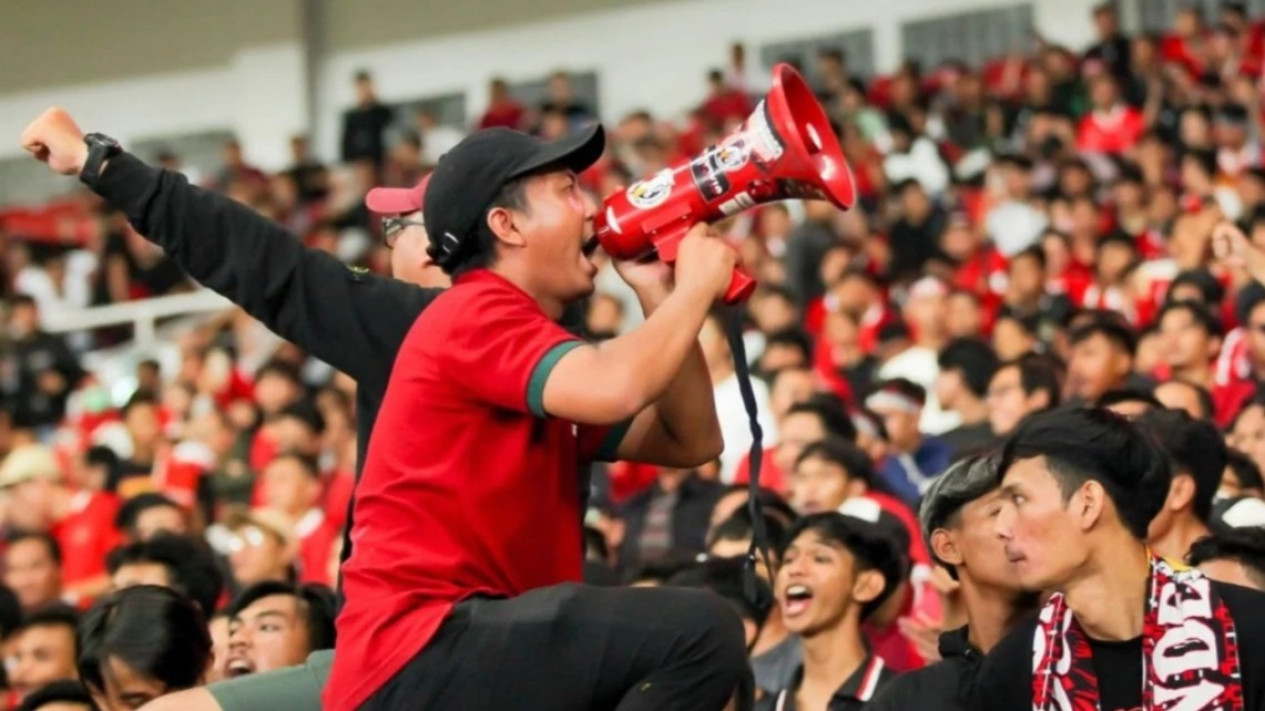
x,y
1089,503
945,547
1181,493
501,222
868,586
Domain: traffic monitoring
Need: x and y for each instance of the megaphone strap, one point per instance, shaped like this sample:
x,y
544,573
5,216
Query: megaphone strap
x,y
732,319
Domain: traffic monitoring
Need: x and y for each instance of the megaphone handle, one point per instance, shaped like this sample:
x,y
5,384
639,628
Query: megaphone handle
x,y
740,287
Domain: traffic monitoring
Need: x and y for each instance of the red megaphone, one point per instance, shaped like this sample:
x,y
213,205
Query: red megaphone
x,y
785,149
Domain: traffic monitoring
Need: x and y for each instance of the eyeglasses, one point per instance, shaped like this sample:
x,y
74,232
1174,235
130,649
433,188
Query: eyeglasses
x,y
393,226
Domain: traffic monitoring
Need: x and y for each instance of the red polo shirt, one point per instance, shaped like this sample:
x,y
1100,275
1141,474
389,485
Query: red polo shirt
x,y
468,488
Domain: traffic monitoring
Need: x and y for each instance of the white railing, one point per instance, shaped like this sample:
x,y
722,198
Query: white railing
x,y
142,313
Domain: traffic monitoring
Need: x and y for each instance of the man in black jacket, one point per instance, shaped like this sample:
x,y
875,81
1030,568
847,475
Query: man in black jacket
x,y
957,521
353,320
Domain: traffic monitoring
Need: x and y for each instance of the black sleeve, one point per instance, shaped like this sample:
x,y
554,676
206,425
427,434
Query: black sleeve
x,y
343,317
1004,679
66,363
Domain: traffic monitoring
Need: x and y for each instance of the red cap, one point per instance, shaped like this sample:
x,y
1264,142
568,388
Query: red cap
x,y
397,201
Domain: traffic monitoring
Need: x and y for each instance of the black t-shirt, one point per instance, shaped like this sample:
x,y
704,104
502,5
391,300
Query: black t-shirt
x,y
1004,681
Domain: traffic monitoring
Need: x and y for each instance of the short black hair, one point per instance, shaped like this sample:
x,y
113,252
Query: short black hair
x,y
842,453
478,250
868,544
1113,329
1083,444
156,631
131,510
1207,406
1037,373
50,543
1245,546
316,605
140,398
304,411
54,615
1197,449
739,527
724,576
1245,469
310,465
1121,395
10,612
793,337
830,412
282,369
1035,253
1203,280
1198,313
64,691
974,359
190,565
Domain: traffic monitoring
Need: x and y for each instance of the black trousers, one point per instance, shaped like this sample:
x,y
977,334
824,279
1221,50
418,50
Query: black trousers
x,y
578,648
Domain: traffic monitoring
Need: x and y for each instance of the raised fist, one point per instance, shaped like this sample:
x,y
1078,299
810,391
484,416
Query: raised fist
x,y
705,260
54,138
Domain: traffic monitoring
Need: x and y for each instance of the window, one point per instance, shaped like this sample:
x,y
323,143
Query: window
x,y
199,154
25,181
1157,15
583,90
857,46
971,37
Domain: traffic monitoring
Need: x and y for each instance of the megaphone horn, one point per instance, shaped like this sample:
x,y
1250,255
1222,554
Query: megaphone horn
x,y
785,149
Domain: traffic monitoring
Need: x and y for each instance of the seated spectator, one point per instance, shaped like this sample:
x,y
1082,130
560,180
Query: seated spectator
x,y
293,486
1197,456
1236,556
966,367
914,460
144,516
724,576
836,571
1242,477
65,695
33,569
775,653
276,625
1018,389
43,370
671,516
1178,394
140,643
1101,358
43,650
1129,402
733,417
181,563
39,499
832,472
819,416
262,547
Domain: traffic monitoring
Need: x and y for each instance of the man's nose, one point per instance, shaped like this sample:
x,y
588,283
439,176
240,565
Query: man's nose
x,y
1002,526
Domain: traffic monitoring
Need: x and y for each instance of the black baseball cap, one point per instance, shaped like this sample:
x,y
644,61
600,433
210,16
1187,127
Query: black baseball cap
x,y
469,177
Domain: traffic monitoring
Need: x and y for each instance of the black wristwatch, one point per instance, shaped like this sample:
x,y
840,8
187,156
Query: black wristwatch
x,y
100,148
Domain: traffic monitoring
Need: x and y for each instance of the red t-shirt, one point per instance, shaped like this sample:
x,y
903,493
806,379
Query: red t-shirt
x,y
468,488
1115,131
87,535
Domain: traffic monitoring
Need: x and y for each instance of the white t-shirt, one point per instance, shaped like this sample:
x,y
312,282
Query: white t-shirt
x,y
734,426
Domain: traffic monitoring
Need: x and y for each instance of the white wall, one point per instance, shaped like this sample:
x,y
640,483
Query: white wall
x,y
259,95
647,56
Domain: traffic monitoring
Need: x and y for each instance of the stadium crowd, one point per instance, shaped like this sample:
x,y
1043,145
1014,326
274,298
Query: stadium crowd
x,y
1030,234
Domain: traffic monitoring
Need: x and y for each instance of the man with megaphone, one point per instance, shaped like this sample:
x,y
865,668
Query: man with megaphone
x,y
461,590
